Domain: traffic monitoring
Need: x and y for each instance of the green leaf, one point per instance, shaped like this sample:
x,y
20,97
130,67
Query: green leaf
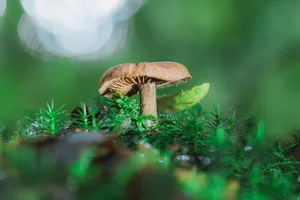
x,y
184,99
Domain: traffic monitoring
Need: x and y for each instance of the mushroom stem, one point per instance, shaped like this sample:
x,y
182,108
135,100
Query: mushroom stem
x,y
148,99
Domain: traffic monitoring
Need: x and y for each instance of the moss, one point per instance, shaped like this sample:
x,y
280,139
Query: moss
x,y
208,155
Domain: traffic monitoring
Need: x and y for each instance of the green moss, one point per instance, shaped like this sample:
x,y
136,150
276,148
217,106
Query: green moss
x,y
213,155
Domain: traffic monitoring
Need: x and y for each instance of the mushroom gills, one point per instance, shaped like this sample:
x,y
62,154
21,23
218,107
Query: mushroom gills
x,y
129,85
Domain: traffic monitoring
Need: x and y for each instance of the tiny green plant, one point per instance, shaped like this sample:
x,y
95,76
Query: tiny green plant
x,y
85,119
51,120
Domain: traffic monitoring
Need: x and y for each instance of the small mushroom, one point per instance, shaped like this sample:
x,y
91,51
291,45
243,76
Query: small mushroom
x,y
143,78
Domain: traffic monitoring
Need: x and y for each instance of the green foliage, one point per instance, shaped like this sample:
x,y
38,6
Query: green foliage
x,y
125,173
124,115
223,161
122,112
27,163
86,119
215,138
184,99
81,168
50,119
47,121
196,186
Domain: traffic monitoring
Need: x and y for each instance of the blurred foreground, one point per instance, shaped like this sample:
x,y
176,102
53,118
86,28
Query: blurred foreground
x,y
113,153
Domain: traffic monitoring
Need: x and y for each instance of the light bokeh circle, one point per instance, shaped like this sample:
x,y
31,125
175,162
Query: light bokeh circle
x,y
79,29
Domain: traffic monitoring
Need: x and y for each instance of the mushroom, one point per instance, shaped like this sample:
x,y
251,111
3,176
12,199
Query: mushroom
x,y
143,78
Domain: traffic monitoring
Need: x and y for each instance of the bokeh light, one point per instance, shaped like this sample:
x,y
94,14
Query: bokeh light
x,y
78,29
2,7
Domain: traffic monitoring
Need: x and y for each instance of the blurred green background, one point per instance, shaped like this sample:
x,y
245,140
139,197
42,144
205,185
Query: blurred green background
x,y
248,50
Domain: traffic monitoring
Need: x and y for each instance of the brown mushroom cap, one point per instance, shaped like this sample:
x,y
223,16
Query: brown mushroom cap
x,y
125,77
